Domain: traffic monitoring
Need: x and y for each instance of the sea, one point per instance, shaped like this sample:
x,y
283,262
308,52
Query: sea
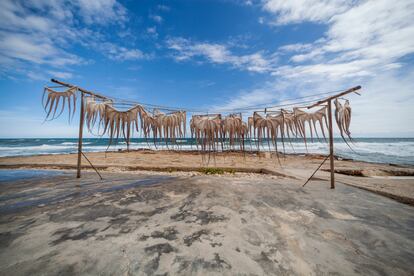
x,y
378,150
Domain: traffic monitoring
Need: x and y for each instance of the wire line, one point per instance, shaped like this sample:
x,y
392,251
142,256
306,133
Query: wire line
x,y
244,110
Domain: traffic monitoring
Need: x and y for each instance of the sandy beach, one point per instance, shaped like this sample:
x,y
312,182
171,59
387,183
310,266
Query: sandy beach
x,y
390,180
158,213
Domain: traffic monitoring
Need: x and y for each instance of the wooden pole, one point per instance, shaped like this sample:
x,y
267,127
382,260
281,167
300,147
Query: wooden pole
x,y
330,126
331,146
82,118
353,89
84,91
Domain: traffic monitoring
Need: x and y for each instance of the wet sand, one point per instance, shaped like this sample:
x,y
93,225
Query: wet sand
x,y
147,223
393,181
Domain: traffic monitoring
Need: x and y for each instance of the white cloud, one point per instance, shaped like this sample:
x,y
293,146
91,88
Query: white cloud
x,y
365,43
366,39
115,52
36,76
157,18
271,93
385,107
185,49
257,96
42,50
297,11
297,47
101,11
329,71
90,11
61,75
163,8
40,75
42,33
152,30
363,40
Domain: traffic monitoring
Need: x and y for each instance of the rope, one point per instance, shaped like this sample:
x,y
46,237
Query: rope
x,y
292,99
244,110
230,111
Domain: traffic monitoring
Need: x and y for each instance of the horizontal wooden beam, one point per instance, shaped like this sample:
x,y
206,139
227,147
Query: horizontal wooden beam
x,y
80,89
353,89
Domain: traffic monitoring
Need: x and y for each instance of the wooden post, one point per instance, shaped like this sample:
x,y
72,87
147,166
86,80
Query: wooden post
x,y
330,126
331,146
84,91
82,118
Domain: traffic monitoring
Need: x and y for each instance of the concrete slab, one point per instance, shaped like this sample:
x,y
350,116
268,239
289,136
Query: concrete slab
x,y
203,225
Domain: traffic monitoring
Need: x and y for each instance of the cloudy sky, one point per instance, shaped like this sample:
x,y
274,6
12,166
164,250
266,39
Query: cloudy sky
x,y
216,54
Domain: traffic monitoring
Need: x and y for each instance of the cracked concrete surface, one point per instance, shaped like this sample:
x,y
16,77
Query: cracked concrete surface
x,y
204,225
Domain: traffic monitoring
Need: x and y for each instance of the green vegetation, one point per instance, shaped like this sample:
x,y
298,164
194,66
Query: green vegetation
x,y
216,170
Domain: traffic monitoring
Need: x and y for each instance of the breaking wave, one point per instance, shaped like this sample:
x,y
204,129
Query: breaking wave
x,y
382,150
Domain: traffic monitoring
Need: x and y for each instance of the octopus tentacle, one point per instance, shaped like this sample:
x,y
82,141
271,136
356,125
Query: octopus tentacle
x,y
343,119
53,102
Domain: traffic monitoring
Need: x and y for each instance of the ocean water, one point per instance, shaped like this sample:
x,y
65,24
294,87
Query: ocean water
x,y
380,150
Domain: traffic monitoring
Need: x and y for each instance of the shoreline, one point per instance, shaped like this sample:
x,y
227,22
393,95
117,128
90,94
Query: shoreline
x,y
395,151
392,181
198,152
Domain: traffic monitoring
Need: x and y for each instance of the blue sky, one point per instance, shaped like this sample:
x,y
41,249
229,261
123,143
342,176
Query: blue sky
x,y
208,55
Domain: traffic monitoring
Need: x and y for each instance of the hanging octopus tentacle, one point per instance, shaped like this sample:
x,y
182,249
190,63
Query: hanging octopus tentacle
x,y
347,119
53,102
289,124
343,119
95,113
278,124
317,117
232,128
167,127
267,128
207,131
117,123
301,118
